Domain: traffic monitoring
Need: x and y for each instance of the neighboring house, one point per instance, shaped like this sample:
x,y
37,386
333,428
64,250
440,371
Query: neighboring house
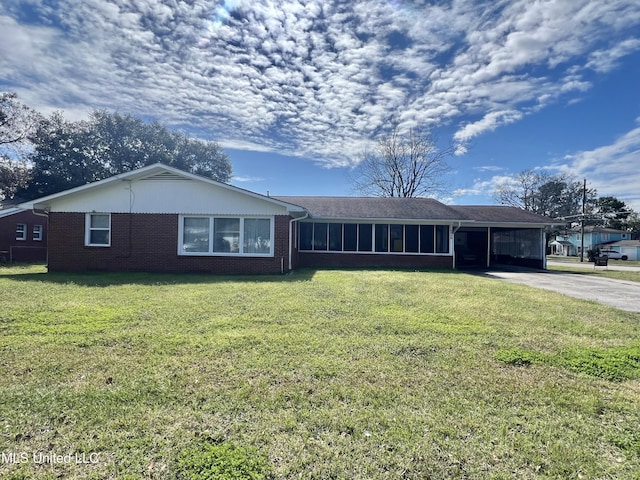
x,y
629,248
563,247
23,236
159,218
569,244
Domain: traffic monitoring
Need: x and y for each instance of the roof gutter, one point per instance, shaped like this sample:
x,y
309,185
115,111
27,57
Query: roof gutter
x,y
306,215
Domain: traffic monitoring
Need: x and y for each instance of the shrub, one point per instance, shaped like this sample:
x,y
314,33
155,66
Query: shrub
x,y
592,254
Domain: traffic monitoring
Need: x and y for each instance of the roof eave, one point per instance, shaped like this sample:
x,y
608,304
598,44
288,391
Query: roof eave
x,y
338,219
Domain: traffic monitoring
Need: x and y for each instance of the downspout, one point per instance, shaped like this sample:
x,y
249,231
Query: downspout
x,y
45,213
488,246
453,242
306,215
543,242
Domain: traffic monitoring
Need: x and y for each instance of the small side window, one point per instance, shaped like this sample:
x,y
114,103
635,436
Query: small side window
x,y
37,233
21,231
98,230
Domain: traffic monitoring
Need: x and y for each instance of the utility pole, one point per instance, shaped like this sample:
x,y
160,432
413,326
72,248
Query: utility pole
x,y
584,211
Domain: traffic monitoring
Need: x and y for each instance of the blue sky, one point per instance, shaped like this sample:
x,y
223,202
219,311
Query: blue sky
x,y
295,91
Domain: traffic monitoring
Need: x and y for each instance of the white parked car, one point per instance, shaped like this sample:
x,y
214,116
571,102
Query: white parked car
x,y
613,255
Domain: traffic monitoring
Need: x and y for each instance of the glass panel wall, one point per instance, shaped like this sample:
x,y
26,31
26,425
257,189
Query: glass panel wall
x,y
368,237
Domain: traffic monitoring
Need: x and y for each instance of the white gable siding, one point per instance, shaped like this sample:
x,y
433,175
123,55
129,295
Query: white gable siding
x,y
181,196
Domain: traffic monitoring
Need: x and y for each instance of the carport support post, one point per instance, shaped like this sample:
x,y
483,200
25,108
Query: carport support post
x,y
584,206
488,247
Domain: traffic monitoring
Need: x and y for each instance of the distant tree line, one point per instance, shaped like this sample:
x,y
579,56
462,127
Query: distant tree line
x,y
562,196
44,155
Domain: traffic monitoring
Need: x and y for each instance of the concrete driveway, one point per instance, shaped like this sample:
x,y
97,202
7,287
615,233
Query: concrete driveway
x,y
620,294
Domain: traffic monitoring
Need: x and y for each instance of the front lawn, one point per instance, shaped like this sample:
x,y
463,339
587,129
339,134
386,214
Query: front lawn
x,y
314,375
598,272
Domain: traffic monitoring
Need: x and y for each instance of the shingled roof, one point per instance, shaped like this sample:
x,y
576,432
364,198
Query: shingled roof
x,y
398,208
374,208
500,214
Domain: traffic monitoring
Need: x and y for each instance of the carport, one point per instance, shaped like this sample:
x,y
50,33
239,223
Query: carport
x,y
492,236
484,247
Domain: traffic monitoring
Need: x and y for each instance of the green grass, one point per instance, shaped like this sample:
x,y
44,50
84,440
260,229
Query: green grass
x,y
316,375
622,263
599,272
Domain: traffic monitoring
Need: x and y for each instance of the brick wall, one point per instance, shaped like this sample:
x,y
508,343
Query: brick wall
x,y
311,259
28,250
149,243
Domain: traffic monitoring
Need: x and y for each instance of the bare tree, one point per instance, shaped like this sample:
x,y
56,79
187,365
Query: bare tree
x,y
408,165
522,191
17,122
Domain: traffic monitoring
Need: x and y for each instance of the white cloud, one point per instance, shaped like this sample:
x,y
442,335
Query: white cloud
x,y
490,121
606,60
309,78
243,179
611,169
485,187
489,168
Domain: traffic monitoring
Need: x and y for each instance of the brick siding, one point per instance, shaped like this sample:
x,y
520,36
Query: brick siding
x,y
28,250
149,243
311,259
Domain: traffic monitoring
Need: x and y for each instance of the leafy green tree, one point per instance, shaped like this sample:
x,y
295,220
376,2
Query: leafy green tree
x,y
556,196
14,175
69,154
612,212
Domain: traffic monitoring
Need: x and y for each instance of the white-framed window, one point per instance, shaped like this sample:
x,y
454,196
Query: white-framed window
x,y
21,231
241,236
37,233
97,230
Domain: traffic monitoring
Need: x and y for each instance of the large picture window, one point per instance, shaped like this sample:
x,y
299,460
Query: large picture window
x,y
98,230
373,237
200,235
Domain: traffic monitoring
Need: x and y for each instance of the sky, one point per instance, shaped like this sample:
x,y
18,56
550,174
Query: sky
x,y
295,91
